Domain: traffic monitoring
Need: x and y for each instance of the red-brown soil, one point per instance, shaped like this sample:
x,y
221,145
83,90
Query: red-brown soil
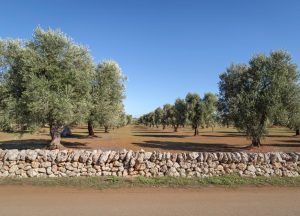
x,y
156,139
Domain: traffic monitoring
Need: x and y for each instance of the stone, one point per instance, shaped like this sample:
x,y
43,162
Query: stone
x,y
147,155
51,155
62,156
41,170
241,166
278,165
220,168
104,156
117,164
35,164
13,169
95,156
84,156
46,164
251,168
22,155
12,155
31,155
49,170
32,173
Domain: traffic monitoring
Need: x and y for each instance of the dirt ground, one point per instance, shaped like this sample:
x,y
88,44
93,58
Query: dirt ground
x,y
35,201
154,139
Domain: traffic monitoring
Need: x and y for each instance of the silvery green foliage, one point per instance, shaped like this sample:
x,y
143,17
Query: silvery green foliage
x,y
178,113
291,115
46,79
252,95
194,110
209,110
158,113
166,117
107,95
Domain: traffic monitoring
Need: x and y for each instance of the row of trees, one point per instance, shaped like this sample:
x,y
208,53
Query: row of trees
x,y
192,111
251,97
51,80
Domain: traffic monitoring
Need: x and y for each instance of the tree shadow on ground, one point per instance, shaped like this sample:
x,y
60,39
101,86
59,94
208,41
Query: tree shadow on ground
x,y
279,136
187,146
37,144
289,143
225,135
161,135
150,132
76,136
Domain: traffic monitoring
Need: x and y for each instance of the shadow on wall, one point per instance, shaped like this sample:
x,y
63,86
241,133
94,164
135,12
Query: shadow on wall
x,y
37,144
186,146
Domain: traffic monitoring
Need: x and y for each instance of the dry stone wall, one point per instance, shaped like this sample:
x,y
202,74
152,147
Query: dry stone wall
x,y
60,163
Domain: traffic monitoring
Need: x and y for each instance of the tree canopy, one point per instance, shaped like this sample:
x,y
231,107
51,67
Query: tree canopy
x,y
51,80
107,94
252,95
46,80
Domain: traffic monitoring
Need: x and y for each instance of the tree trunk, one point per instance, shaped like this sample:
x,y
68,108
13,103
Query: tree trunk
x,y
196,131
256,142
55,133
297,132
51,132
106,129
164,127
91,128
175,128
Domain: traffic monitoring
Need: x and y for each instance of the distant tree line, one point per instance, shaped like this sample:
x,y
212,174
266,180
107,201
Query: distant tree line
x,y
51,80
194,111
251,97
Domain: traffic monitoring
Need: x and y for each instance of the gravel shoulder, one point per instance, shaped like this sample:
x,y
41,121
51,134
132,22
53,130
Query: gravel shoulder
x,y
56,201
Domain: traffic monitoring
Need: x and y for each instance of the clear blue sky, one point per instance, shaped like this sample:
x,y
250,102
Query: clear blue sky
x,y
166,48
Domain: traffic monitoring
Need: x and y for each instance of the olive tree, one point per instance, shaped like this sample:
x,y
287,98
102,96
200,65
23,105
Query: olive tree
x,y
209,110
166,115
107,96
194,111
253,94
290,116
178,114
46,80
129,119
158,112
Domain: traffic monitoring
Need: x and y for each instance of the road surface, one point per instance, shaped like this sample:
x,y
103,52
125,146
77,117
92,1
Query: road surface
x,y
39,201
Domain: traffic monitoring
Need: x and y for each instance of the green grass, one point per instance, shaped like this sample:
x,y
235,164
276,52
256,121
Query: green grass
x,y
173,182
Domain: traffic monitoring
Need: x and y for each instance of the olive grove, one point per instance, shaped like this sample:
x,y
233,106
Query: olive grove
x,y
192,111
51,80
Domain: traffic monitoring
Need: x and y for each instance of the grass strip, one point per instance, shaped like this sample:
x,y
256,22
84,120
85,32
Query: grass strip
x,y
173,182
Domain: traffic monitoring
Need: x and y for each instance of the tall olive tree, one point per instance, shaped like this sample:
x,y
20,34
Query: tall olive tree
x,y
129,119
290,116
178,114
46,81
209,110
253,94
107,96
166,115
158,112
194,111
